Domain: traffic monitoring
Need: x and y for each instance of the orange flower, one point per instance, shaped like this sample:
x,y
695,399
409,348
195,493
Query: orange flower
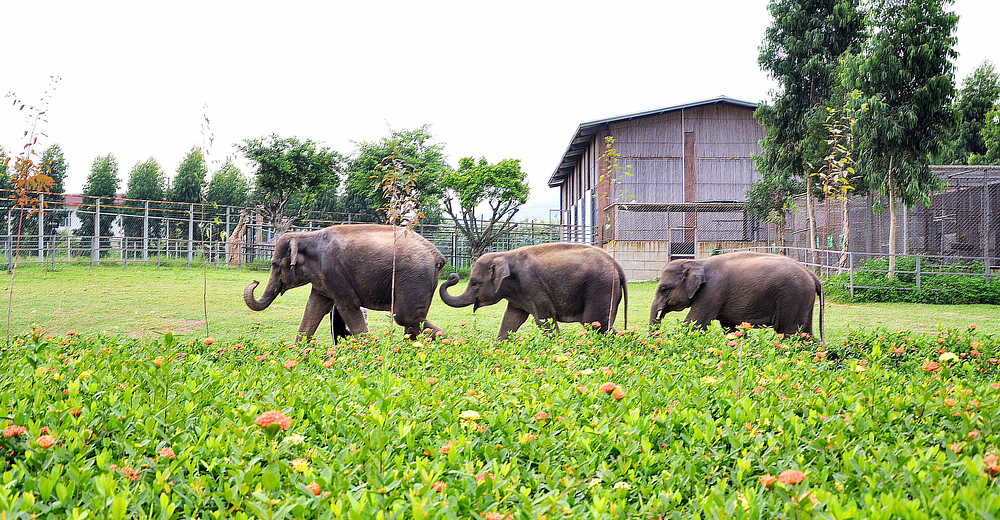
x,y
328,363
290,364
273,417
973,434
791,476
990,466
493,515
446,448
431,380
45,441
950,401
767,480
167,452
618,394
608,387
439,486
208,341
582,389
541,416
930,366
745,325
314,487
71,333
14,431
956,447
158,361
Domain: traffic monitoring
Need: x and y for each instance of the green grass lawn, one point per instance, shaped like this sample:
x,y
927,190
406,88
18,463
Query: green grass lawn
x,y
144,301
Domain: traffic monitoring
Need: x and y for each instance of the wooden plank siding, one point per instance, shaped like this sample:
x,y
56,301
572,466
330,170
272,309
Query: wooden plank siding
x,y
722,136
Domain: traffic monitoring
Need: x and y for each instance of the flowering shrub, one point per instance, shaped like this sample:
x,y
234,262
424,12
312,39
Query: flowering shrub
x,y
741,425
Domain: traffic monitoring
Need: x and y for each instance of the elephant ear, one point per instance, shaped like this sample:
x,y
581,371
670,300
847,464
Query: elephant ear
x,y
694,276
501,270
294,254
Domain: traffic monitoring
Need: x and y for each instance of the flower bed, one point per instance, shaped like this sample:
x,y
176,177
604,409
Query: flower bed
x,y
887,425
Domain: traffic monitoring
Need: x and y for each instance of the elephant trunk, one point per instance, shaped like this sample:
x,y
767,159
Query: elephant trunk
x,y
655,315
462,300
255,304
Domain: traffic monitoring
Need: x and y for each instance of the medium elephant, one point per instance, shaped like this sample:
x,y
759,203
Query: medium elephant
x,y
758,288
351,266
552,282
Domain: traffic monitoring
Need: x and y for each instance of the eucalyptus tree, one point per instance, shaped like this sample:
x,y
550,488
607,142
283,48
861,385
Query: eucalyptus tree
x,y
906,75
801,50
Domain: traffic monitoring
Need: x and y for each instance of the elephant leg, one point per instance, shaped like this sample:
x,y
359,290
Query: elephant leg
x,y
338,329
513,318
354,318
317,307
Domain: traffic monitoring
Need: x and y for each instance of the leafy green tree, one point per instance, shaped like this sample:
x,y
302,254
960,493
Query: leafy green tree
x,y
228,186
991,137
501,187
801,50
416,152
906,75
980,94
190,178
6,195
289,170
57,166
145,183
102,183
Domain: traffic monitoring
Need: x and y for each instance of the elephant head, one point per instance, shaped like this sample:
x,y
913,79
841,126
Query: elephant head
x,y
485,279
290,268
679,282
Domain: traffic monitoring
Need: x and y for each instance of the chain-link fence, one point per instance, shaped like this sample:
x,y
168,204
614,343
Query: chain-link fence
x,y
128,231
962,221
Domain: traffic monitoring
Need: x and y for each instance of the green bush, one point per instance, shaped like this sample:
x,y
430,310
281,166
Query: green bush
x,y
950,288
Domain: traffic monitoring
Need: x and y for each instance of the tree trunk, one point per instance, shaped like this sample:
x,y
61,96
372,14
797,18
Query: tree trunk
x,y
846,230
892,222
811,221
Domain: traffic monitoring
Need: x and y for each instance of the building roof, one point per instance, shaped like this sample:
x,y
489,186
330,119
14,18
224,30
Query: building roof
x,y
586,131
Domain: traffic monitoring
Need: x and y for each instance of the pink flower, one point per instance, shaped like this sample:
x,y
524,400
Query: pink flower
x,y
290,364
541,416
45,441
431,380
273,417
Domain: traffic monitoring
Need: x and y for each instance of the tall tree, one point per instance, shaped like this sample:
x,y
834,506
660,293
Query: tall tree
x,y
500,187
416,152
801,50
228,186
145,183
190,178
6,195
991,137
980,93
288,170
102,183
906,75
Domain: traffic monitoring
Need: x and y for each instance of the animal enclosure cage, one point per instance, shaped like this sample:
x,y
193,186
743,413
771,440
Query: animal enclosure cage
x,y
961,222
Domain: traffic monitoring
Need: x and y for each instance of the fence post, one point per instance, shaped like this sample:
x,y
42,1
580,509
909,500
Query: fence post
x,y
41,229
145,234
850,260
190,235
125,250
95,247
987,261
918,273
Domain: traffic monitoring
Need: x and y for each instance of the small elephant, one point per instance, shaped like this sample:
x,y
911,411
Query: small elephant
x,y
758,288
552,282
351,266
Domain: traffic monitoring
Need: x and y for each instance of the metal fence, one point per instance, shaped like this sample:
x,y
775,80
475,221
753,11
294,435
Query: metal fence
x,y
827,262
155,232
962,221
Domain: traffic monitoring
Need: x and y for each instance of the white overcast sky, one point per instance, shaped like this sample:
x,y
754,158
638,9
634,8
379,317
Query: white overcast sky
x,y
509,79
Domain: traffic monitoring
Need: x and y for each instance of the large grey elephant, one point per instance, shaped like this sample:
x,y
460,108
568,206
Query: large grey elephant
x,y
350,267
552,282
758,288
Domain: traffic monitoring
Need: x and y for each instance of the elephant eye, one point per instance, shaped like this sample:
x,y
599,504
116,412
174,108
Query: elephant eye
x,y
664,288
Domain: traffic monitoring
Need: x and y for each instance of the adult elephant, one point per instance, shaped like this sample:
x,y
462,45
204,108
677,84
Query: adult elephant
x,y
351,266
552,282
758,288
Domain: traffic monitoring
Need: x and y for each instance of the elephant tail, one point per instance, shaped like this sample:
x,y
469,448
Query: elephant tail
x,y
822,303
624,282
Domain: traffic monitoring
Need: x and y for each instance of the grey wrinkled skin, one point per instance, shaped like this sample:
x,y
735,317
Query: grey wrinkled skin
x,y
350,267
557,282
758,288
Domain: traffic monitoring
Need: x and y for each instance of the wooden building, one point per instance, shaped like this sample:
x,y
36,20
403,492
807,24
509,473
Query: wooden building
x,y
679,187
